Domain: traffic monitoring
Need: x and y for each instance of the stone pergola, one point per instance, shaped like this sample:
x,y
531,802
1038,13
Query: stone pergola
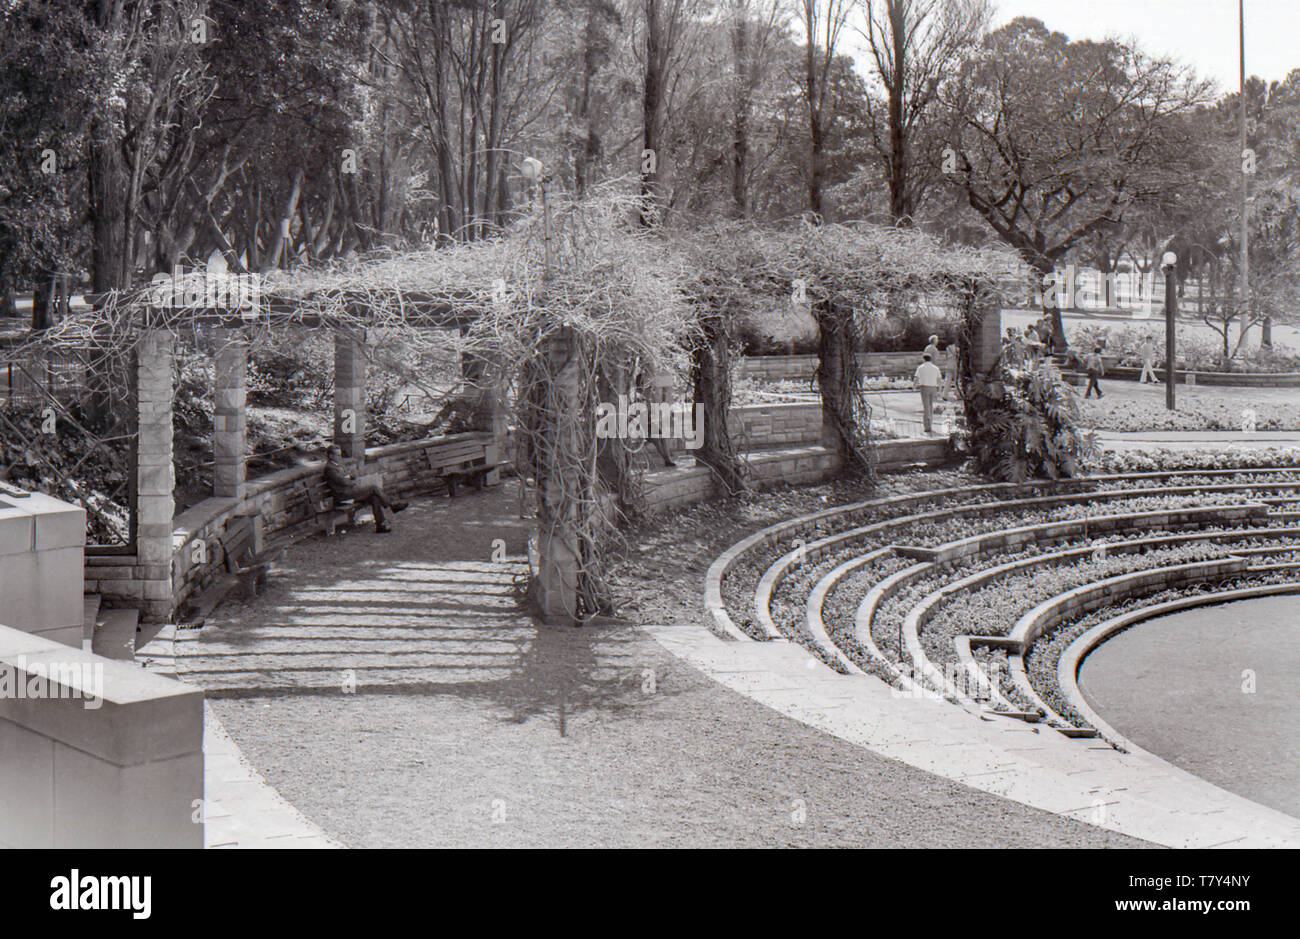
x,y
155,474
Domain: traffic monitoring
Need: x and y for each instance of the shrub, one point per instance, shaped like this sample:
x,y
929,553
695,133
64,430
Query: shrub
x,y
1029,426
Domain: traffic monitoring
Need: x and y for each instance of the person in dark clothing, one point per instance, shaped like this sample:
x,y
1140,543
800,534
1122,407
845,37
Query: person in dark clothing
x,y
344,485
1096,368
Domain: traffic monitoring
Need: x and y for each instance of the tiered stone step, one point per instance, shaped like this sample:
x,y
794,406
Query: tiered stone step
x,y
89,619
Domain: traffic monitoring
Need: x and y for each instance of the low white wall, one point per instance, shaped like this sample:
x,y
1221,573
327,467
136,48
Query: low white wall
x,y
95,753
42,540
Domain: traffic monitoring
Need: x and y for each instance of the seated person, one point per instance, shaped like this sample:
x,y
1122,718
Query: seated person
x,y
344,485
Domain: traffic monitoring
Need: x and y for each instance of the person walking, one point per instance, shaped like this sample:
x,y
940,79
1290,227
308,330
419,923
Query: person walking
x,y
927,382
1096,368
1033,345
1148,353
344,485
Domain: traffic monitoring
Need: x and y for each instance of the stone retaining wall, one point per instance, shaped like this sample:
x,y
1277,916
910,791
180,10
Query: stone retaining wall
x,y
759,426
670,489
771,368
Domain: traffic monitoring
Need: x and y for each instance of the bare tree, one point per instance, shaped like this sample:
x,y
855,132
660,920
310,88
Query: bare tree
x,y
823,23
755,24
1054,140
915,46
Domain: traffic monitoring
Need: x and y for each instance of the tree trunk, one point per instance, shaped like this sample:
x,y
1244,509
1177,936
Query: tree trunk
x,y
837,377
650,105
740,127
711,387
899,209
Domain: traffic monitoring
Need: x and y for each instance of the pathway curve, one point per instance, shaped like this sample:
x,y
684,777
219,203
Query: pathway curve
x,y
470,725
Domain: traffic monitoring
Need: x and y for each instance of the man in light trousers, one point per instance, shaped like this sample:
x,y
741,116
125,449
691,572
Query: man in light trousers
x,y
927,382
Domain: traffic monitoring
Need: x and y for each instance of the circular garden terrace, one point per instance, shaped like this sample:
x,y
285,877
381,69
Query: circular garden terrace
x,y
987,599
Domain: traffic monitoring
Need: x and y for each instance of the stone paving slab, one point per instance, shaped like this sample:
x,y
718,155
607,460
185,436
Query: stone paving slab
x,y
1137,796
241,810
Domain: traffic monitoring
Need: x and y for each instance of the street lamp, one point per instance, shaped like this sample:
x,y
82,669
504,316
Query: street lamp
x,y
532,171
1169,262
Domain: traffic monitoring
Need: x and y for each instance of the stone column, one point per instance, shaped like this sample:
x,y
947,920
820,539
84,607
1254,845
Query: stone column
x,y
155,477
349,397
229,419
557,541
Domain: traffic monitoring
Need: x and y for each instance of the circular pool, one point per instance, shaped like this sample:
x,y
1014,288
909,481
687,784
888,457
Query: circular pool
x,y
1214,690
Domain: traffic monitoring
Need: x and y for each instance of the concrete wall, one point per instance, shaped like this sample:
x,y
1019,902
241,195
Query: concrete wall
x,y
41,545
125,774
801,367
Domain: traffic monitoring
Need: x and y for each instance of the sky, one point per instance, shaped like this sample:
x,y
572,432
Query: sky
x,y
1199,33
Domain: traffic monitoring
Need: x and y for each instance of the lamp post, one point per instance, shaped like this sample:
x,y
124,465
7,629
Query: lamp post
x,y
1168,263
532,170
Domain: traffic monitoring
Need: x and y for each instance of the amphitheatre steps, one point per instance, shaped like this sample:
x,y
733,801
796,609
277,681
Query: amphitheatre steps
x,y
797,566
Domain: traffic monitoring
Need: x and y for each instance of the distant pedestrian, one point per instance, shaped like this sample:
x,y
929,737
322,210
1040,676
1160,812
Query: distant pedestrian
x,y
1046,335
932,349
1148,353
1033,347
927,382
1096,368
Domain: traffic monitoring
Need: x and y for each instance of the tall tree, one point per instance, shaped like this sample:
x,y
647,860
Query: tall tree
x,y
915,45
1053,140
823,23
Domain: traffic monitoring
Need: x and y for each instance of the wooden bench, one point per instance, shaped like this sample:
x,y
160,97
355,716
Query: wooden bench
x,y
471,475
241,559
462,459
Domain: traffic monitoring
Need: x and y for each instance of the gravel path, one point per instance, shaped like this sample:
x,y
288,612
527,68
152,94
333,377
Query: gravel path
x,y
472,726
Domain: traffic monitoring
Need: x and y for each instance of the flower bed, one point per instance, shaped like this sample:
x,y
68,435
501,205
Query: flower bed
x,y
840,609
1130,415
931,532
993,609
1166,459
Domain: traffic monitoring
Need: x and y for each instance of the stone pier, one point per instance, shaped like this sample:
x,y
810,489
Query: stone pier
x,y
349,396
155,476
229,419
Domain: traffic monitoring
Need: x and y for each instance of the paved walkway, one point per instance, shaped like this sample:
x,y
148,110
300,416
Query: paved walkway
x,y
389,688
240,809
1077,778
492,731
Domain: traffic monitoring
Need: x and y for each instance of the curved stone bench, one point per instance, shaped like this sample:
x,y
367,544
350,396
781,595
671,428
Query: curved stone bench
x,y
773,534
781,567
817,599
915,621
1071,660
866,613
1047,615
